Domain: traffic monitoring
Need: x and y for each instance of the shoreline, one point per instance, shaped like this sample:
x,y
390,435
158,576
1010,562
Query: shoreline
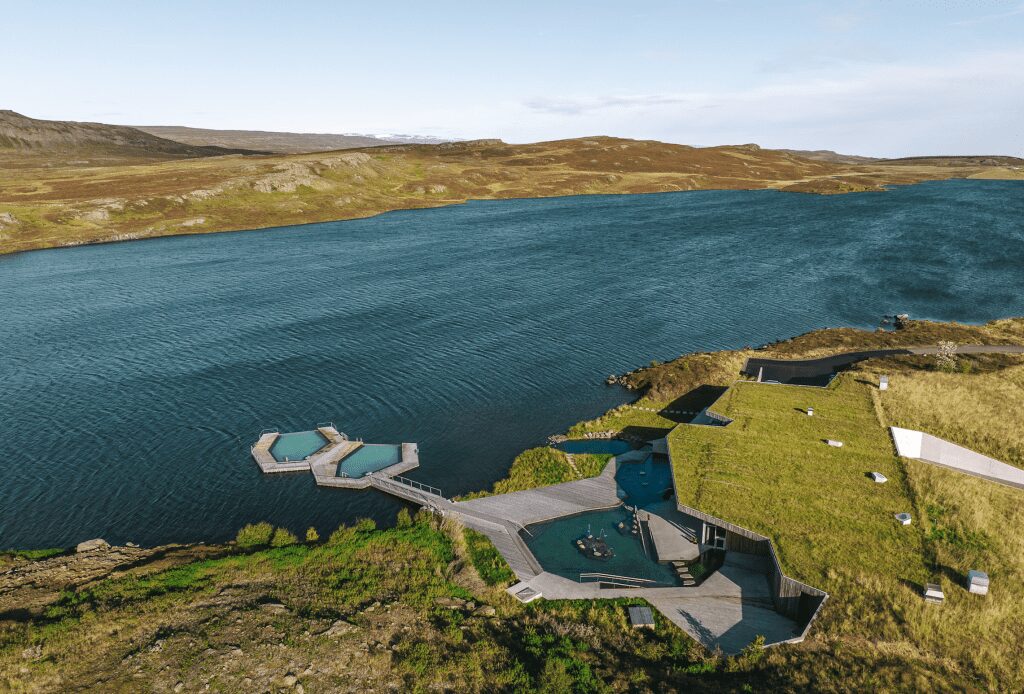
x,y
223,194
642,386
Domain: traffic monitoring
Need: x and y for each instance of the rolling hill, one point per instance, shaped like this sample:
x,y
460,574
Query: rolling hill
x,y
64,183
277,142
30,141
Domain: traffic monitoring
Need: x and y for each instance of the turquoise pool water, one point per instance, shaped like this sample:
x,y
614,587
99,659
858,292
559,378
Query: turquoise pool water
x,y
644,483
554,545
370,457
297,445
594,446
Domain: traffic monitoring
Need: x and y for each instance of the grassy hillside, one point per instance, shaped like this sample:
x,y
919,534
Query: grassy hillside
x,y
57,201
979,406
26,143
772,472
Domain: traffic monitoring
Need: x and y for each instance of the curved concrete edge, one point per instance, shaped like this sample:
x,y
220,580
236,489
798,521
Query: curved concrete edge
x,y
931,449
824,366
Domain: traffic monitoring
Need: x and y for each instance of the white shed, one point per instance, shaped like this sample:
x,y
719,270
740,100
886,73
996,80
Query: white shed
x,y
933,593
977,582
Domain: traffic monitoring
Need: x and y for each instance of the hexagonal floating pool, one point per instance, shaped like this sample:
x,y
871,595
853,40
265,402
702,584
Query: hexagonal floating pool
x,y
370,457
298,445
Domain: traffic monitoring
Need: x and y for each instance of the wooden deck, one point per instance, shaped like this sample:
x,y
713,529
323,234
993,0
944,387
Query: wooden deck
x,y
263,457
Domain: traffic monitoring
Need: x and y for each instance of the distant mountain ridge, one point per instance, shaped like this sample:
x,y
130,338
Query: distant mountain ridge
x,y
93,141
279,142
67,183
830,156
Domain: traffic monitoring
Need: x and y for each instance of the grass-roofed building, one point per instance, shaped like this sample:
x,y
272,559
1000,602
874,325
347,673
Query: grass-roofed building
x,y
771,491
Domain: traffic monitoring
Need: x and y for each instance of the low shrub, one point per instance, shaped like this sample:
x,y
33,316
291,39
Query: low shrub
x,y
254,535
283,538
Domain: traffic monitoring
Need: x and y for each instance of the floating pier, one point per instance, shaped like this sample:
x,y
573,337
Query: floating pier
x,y
339,461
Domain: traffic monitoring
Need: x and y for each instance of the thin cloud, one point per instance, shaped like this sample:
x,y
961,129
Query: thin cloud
x,y
1017,11
586,105
964,104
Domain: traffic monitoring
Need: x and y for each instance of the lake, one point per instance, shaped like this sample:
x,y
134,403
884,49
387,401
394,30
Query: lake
x,y
136,375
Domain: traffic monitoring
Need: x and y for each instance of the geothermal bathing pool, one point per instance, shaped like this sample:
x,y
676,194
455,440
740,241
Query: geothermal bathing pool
x,y
646,485
297,445
369,457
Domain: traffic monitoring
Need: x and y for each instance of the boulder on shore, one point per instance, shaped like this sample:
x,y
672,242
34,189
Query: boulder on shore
x,y
92,545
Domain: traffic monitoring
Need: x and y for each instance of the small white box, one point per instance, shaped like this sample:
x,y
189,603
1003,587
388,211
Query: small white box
x,y
977,582
933,593
883,383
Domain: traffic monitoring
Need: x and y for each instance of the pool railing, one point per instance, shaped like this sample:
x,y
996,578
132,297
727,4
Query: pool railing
x,y
405,481
622,581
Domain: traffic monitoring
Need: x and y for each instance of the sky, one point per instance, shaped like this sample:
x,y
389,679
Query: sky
x,y
888,78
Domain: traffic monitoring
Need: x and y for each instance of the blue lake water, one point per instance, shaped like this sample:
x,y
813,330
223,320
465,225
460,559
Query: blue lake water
x,y
135,376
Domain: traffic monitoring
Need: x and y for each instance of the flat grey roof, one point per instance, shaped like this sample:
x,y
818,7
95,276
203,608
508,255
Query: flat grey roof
x,y
641,616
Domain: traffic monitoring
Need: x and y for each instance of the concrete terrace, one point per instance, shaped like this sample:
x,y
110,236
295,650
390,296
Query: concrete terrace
x,y
727,611
820,371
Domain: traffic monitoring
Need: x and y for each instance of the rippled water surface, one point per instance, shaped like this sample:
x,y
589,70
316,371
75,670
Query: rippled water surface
x,y
135,376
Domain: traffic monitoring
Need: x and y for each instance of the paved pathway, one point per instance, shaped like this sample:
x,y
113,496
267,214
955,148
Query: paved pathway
x,y
815,371
932,449
555,501
728,611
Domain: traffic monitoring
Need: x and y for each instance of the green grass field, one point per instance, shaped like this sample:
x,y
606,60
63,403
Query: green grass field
x,y
770,471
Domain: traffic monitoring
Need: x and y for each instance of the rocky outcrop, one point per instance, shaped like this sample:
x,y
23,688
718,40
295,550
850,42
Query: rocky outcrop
x,y
92,545
29,586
